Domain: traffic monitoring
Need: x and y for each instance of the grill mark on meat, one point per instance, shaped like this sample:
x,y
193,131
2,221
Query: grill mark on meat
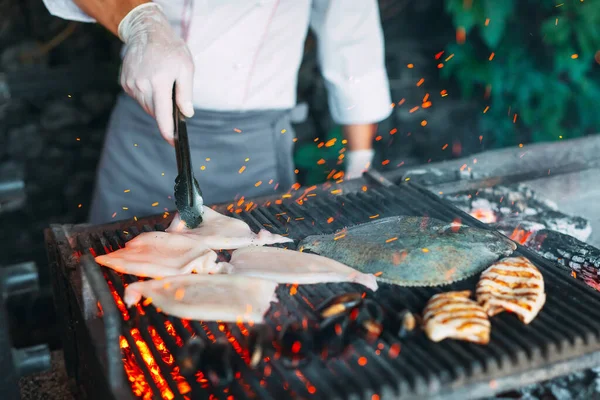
x,y
513,284
454,315
470,324
521,292
445,302
520,274
468,316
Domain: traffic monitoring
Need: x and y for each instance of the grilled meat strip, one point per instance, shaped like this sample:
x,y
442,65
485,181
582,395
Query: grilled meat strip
x,y
454,315
512,284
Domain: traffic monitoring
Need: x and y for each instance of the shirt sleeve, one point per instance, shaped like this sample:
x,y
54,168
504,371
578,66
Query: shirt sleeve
x,y
67,9
350,49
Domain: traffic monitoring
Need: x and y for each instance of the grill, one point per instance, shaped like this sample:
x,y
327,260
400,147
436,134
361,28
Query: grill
x,y
111,352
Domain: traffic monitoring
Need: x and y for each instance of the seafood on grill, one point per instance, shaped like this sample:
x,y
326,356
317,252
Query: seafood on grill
x,y
512,284
220,232
288,266
160,254
412,251
226,298
453,315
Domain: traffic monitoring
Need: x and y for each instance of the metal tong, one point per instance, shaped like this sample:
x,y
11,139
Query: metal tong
x,y
188,196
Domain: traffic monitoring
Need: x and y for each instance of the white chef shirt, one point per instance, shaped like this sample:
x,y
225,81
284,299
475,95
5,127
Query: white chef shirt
x,y
247,53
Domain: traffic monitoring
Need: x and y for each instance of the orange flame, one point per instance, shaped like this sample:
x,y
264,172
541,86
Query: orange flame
x,y
520,235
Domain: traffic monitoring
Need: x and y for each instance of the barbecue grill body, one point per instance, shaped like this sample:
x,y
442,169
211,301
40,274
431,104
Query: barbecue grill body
x,y
93,363
563,338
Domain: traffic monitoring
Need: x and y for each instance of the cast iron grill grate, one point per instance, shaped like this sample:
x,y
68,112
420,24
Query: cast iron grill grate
x,y
567,328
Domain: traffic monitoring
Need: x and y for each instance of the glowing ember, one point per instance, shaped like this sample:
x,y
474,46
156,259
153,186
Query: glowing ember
x,y
484,215
520,235
235,344
155,373
168,359
120,305
394,350
309,386
171,331
134,373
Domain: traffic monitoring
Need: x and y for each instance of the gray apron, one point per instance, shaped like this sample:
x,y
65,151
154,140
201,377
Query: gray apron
x,y
234,154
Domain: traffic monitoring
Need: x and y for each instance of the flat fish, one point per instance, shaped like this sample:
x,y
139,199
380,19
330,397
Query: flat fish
x,y
512,284
288,266
412,251
226,298
160,254
453,315
220,232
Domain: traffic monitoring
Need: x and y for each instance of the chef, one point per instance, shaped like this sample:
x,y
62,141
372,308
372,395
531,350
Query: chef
x,y
234,64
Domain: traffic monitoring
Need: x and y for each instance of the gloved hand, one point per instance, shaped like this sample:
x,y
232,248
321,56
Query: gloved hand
x,y
357,162
155,58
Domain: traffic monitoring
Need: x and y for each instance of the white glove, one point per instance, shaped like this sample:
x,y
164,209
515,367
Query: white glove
x,y
155,59
357,162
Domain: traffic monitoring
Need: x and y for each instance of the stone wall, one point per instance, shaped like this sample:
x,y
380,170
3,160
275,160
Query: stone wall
x,y
53,113
51,133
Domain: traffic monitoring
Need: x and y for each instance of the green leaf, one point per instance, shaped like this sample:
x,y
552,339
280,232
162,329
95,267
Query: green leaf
x,y
464,18
585,42
498,12
306,155
556,34
533,74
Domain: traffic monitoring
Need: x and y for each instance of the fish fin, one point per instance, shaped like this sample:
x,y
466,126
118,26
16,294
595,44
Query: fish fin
x,y
430,283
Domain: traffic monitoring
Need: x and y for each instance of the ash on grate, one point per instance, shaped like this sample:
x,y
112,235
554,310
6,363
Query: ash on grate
x,y
509,206
536,223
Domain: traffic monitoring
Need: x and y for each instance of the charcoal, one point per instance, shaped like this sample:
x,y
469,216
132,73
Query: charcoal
x,y
56,168
61,114
14,114
574,255
3,142
25,142
11,176
97,103
76,188
11,24
94,139
21,55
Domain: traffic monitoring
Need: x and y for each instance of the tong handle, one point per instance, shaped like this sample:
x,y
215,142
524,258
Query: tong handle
x,y
182,147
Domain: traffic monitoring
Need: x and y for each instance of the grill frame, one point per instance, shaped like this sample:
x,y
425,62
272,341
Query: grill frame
x,y
72,277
